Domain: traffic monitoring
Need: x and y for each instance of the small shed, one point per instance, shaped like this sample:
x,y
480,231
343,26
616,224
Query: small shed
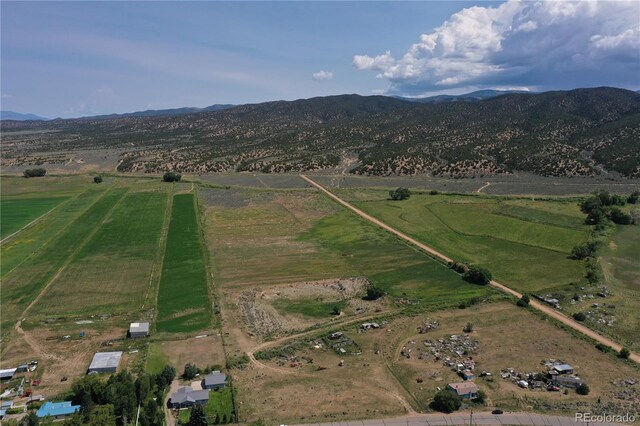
x,y
468,375
5,405
138,329
464,390
563,369
57,410
7,373
215,380
105,362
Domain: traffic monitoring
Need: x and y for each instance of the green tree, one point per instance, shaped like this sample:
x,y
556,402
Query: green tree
x,y
374,292
624,353
618,216
37,172
524,301
584,250
172,177
446,402
478,275
399,194
97,179
190,371
579,316
30,419
198,416
143,387
102,415
583,389
165,377
481,397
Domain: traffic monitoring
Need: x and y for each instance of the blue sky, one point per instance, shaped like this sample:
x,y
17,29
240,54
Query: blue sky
x,y
71,59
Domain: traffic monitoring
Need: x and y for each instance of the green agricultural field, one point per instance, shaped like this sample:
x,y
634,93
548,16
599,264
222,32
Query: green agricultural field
x,y
290,236
183,299
309,307
526,244
23,284
18,212
110,272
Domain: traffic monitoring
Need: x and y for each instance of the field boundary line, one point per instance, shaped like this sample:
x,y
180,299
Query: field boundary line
x,y
33,222
72,256
503,288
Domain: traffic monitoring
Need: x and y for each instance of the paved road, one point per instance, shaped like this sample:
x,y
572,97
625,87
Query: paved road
x,y
439,419
433,252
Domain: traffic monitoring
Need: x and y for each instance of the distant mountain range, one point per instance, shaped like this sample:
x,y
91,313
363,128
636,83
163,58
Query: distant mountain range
x,y
163,112
478,95
579,132
11,115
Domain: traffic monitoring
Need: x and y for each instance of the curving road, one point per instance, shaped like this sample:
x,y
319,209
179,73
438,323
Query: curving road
x,y
433,252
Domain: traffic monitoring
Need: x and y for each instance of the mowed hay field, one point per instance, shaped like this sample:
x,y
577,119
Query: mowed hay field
x,y
110,272
183,298
526,244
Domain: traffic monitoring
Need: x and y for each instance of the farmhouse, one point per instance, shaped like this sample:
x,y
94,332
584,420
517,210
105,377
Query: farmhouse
x,y
7,373
186,397
215,380
57,410
105,362
138,329
464,390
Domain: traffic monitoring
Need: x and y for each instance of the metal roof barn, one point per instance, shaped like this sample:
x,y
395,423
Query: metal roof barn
x,y
105,362
138,329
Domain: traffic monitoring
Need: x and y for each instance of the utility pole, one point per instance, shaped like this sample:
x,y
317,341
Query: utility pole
x,y
471,418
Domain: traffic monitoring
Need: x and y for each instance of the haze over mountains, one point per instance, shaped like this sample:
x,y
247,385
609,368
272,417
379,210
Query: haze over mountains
x,y
12,115
580,132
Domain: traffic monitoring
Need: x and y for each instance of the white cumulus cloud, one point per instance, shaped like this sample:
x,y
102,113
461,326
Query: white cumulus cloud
x,y
322,75
542,44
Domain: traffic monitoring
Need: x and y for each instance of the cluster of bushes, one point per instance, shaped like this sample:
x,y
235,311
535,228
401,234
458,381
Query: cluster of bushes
x,y
523,302
602,206
171,177
469,303
97,179
374,292
400,194
191,371
472,273
237,361
37,172
584,250
446,402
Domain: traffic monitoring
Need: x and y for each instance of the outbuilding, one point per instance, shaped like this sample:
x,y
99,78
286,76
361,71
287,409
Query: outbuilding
x,y
105,362
7,373
562,369
464,390
215,380
572,382
57,410
138,329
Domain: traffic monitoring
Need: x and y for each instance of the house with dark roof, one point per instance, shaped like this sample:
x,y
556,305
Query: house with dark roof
x,y
464,390
186,397
215,380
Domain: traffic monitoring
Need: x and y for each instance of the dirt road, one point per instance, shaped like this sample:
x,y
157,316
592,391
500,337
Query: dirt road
x,y
431,251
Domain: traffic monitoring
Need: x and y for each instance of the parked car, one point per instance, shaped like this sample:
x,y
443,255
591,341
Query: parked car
x,y
497,411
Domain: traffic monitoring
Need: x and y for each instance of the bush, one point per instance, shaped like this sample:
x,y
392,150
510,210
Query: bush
x,y
633,197
583,389
478,275
460,268
17,410
172,177
446,402
624,353
468,328
335,310
237,361
97,179
38,172
481,397
603,348
524,301
433,192
400,194
374,293
584,250
579,316
618,216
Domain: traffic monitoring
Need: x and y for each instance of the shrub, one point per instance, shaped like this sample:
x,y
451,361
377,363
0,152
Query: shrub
x,y
468,328
335,310
374,293
237,361
460,268
433,192
97,179
603,348
481,397
624,353
478,275
172,177
524,301
579,316
583,389
584,250
633,197
446,402
37,172
400,194
618,216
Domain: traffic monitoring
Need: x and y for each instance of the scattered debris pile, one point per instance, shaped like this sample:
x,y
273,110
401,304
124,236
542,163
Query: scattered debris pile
x,y
558,375
427,325
342,344
549,299
627,390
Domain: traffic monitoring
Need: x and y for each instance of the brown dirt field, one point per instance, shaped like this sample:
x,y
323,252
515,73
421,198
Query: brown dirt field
x,y
203,351
66,357
509,337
